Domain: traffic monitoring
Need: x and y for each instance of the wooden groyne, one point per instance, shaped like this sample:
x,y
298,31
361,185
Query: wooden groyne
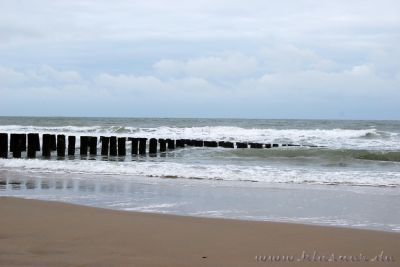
x,y
62,145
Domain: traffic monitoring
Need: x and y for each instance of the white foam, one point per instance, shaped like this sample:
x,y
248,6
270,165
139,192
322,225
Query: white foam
x,y
334,138
227,172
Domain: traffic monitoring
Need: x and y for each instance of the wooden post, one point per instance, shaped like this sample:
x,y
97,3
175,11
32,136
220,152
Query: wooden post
x,y
153,146
228,145
84,145
71,145
13,141
142,145
275,145
3,145
210,144
171,143
267,145
53,142
134,141
221,143
180,143
121,146
241,145
163,145
93,145
188,142
105,141
193,142
22,138
255,145
61,145
199,143
46,145
16,145
113,146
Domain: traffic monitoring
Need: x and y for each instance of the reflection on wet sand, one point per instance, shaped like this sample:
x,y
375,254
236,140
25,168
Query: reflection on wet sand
x,y
43,184
364,207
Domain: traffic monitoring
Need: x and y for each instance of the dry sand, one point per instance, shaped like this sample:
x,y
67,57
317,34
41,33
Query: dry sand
x,y
40,233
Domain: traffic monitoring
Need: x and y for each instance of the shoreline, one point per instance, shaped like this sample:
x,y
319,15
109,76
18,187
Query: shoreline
x,y
284,222
49,233
357,207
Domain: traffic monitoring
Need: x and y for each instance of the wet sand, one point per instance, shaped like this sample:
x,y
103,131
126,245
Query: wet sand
x,y
41,233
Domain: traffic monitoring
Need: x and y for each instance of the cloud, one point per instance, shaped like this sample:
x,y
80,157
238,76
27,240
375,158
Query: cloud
x,y
355,84
215,55
44,75
271,94
289,58
128,82
10,77
227,66
204,19
49,74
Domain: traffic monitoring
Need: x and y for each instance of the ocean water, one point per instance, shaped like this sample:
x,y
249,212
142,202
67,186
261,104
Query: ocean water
x,y
350,152
333,154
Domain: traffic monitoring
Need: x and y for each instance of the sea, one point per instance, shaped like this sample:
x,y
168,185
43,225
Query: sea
x,y
335,172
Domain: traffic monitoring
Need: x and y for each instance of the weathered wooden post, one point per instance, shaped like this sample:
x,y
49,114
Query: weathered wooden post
x,y
267,145
199,143
3,145
134,141
121,146
14,145
93,145
163,145
17,145
210,144
255,145
36,140
142,146
193,142
46,145
84,145
71,145
61,145
171,143
23,141
113,146
105,141
13,141
228,145
275,145
153,146
180,143
53,142
241,145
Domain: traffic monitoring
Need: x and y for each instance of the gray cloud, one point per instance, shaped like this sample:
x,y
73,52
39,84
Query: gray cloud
x,y
306,54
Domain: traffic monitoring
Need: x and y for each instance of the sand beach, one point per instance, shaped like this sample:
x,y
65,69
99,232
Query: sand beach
x,y
46,233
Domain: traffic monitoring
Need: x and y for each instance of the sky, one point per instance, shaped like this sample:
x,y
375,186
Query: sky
x,y
284,59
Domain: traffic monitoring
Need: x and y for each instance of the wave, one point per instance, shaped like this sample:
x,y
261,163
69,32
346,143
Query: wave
x,y
226,172
339,155
380,156
333,138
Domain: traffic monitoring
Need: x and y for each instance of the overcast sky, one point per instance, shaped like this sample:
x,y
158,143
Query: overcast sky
x,y
205,58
